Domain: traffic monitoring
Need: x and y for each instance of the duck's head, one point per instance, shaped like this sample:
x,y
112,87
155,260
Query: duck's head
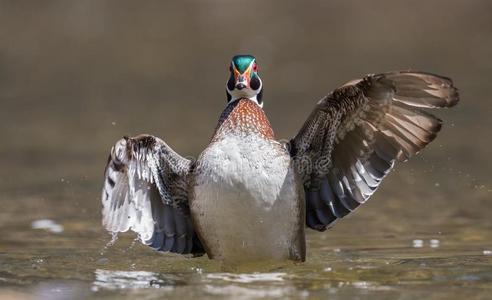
x,y
244,81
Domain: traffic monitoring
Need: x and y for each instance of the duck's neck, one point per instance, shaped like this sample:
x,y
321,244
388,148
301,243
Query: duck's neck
x,y
243,116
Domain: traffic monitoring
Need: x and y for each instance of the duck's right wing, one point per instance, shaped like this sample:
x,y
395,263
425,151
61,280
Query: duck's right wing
x,y
146,190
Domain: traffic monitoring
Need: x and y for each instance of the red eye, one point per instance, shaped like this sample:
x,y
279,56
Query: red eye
x,y
255,67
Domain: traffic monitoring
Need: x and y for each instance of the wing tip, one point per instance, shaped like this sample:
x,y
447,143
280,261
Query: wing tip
x,y
442,86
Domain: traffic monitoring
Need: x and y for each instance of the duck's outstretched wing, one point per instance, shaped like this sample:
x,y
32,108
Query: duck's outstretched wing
x,y
355,134
146,190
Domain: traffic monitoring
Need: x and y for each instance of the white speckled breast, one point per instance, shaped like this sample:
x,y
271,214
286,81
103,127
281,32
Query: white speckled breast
x,y
246,203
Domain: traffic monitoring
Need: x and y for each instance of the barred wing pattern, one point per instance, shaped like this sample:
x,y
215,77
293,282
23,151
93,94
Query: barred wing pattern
x,y
145,190
355,135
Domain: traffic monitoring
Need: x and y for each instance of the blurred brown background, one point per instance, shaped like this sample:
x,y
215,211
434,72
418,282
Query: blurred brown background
x,y
77,75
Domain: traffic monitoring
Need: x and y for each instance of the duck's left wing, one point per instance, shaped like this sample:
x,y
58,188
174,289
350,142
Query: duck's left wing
x,y
355,134
146,191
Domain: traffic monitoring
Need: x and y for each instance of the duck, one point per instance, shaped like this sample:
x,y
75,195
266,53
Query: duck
x,y
250,197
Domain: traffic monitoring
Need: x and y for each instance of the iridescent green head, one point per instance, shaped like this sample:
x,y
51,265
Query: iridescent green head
x,y
242,62
244,81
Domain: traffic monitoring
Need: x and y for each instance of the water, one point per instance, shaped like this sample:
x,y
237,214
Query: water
x,y
76,77
382,266
389,249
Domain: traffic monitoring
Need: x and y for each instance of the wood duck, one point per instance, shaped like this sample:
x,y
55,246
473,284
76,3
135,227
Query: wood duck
x,y
248,197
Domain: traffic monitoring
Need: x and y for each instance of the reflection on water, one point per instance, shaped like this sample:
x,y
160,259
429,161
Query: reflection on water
x,y
60,290
128,280
238,292
248,278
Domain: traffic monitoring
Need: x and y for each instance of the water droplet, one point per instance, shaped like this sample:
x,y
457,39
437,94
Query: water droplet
x,y
48,225
114,238
102,261
434,243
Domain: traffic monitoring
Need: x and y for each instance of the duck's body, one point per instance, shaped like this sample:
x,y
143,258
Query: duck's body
x,y
247,200
248,197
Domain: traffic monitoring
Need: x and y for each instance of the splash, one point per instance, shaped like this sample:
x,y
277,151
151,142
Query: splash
x,y
114,238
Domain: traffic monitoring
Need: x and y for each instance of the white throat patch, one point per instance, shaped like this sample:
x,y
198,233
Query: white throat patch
x,y
254,99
